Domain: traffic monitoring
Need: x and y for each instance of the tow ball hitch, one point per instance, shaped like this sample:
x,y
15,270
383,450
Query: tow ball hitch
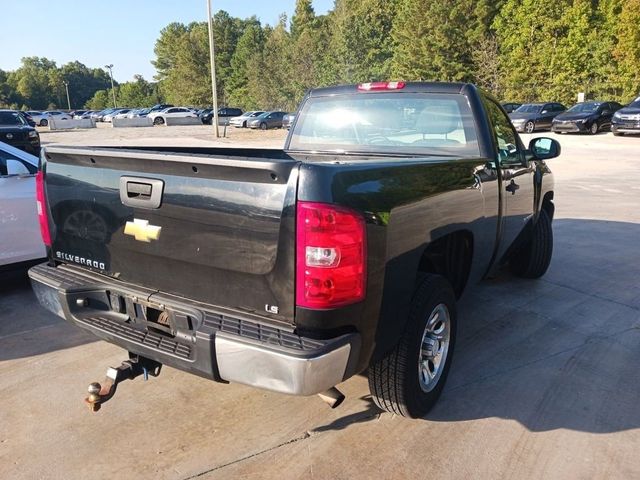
x,y
128,370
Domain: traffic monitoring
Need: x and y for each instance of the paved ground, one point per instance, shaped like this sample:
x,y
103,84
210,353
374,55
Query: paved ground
x,y
545,383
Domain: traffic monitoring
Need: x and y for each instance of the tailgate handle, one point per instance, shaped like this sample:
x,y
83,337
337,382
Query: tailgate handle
x,y
141,192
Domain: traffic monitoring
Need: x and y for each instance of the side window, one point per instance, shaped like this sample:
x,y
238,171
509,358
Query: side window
x,y
11,165
16,167
505,135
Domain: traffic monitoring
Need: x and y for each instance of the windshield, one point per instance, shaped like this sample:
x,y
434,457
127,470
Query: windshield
x,y
635,104
584,107
11,118
529,108
392,123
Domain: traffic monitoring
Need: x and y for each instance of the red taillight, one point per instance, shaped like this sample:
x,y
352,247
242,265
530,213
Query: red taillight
x,y
42,209
330,256
367,87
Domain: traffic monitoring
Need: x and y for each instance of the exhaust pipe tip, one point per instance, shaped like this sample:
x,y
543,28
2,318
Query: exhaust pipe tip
x,y
332,397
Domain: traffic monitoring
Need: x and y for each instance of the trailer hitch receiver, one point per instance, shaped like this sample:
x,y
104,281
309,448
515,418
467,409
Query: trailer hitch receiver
x,y
128,370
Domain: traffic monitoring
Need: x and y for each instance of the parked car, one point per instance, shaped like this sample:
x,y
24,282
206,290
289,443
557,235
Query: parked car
x,y
511,106
84,115
241,121
224,114
140,112
267,120
20,240
535,116
354,242
15,131
287,120
36,116
109,116
78,113
98,116
627,119
160,118
586,117
28,118
160,106
55,114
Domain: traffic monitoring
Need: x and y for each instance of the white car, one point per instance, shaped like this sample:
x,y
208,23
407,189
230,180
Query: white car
x,y
20,238
120,113
37,117
53,114
159,118
241,121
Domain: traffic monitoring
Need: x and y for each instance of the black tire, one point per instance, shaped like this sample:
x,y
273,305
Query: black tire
x,y
263,126
592,130
618,134
158,121
530,127
394,379
533,259
244,124
44,122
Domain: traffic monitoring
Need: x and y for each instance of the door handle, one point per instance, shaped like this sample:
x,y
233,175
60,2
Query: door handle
x,y
141,192
512,187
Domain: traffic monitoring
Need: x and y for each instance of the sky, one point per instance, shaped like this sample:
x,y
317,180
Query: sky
x,y
121,32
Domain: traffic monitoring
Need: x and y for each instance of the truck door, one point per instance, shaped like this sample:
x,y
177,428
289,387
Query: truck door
x,y
517,178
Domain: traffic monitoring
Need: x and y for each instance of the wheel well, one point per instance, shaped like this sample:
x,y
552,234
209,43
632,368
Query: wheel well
x,y
450,256
547,204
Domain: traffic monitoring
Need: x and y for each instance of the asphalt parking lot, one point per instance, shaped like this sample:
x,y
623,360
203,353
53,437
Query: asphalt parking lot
x,y
545,382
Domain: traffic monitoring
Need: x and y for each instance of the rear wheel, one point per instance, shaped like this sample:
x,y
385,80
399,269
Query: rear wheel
x,y
533,259
158,121
530,127
44,122
409,379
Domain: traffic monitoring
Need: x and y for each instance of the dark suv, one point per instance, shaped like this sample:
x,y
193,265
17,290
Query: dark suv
x,y
15,131
627,119
223,115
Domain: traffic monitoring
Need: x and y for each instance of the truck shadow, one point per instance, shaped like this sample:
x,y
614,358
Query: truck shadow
x,y
558,352
27,329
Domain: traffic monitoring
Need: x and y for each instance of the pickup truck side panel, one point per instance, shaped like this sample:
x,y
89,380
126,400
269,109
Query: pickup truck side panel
x,y
408,205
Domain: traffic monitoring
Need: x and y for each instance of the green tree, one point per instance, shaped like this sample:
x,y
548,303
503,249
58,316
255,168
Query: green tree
x,y
529,33
100,100
138,93
361,45
248,53
627,50
430,41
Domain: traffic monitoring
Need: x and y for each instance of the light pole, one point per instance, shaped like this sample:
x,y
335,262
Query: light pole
x,y
113,91
212,57
66,86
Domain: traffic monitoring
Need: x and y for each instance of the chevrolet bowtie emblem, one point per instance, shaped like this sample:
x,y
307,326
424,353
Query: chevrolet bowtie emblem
x,y
142,231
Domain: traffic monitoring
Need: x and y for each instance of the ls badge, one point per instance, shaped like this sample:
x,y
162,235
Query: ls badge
x,y
142,231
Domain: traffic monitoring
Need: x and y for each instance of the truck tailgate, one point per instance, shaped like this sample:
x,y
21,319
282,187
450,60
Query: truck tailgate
x,y
206,225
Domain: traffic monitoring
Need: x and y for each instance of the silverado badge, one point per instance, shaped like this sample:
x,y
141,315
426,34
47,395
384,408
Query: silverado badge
x,y
142,231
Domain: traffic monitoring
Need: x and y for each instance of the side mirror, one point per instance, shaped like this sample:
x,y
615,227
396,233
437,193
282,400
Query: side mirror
x,y
543,148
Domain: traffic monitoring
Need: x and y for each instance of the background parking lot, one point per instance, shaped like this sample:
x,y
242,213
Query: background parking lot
x,y
545,382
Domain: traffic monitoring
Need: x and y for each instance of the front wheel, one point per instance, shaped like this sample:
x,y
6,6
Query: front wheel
x,y
533,259
263,126
158,121
44,122
530,127
409,379
594,128
618,134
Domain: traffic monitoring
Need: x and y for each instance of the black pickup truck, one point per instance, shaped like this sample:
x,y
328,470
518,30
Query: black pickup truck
x,y
295,269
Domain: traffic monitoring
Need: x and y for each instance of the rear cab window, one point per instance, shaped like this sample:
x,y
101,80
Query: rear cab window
x,y
389,122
